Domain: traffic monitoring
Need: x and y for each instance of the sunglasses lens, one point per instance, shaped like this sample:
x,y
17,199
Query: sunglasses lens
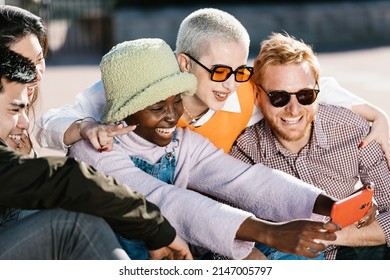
x,y
220,74
243,74
306,96
279,98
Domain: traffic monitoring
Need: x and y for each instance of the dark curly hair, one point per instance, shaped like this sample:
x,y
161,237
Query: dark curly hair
x,y
15,67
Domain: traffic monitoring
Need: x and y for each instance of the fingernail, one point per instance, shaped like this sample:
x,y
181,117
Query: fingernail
x,y
123,123
103,149
361,223
360,144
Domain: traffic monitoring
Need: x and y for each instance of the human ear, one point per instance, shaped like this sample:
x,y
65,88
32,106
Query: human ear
x,y
256,96
184,62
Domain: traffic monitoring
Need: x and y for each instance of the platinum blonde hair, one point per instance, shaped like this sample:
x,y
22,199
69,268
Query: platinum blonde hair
x,y
209,24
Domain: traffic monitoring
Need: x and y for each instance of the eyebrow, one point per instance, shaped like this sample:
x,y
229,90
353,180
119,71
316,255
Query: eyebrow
x,y
19,104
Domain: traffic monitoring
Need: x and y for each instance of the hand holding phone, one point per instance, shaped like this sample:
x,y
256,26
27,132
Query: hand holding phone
x,y
352,208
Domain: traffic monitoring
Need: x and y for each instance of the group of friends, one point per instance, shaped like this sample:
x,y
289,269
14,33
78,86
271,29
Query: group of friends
x,y
188,153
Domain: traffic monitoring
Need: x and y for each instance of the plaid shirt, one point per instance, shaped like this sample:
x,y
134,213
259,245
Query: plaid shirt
x,y
330,161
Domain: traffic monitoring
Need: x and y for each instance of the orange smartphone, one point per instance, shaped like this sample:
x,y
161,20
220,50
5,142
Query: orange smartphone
x,y
352,208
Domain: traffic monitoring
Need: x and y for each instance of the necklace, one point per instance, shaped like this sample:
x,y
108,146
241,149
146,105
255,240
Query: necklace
x,y
193,119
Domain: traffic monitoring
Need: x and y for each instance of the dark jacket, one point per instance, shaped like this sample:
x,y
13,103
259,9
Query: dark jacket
x,y
60,182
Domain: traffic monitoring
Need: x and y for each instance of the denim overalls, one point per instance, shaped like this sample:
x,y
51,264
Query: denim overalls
x,y
274,254
163,170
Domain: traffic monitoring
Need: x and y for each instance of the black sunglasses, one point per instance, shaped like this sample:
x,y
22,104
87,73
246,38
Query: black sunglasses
x,y
221,73
280,98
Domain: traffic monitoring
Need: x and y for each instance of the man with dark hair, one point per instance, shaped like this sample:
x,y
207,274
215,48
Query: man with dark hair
x,y
58,182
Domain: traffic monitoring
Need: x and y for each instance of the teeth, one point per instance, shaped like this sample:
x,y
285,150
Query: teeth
x,y
291,120
15,137
166,131
222,95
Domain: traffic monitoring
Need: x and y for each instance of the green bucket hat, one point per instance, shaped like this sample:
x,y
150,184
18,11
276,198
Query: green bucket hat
x,y
140,73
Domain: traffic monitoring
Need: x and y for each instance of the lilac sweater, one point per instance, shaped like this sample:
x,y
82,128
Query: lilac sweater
x,y
258,190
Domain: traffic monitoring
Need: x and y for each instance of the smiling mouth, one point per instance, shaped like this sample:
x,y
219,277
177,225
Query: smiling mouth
x,y
291,120
221,96
166,131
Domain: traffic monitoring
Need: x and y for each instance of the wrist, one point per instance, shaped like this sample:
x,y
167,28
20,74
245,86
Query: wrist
x,y
255,230
323,205
82,124
80,127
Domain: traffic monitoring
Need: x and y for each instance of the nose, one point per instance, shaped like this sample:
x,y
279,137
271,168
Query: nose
x,y
293,105
23,121
172,114
231,84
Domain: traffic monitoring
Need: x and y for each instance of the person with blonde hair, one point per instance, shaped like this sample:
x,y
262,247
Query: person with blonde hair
x,y
214,46
180,170
315,142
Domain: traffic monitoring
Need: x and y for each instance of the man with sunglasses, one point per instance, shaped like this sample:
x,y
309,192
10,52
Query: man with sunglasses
x,y
214,46
315,142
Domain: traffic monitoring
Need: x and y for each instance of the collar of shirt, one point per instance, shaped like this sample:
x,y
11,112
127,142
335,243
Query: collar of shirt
x,y
232,105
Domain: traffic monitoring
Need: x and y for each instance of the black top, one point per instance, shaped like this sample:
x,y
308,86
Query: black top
x,y
60,182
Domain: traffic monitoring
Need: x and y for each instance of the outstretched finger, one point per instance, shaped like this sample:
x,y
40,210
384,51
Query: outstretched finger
x,y
120,129
331,227
317,226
